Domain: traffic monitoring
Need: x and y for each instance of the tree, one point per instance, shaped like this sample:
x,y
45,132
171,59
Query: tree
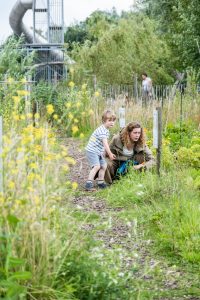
x,y
14,60
179,21
76,33
130,47
90,29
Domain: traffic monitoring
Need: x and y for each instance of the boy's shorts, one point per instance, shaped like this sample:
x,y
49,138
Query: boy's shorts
x,y
95,159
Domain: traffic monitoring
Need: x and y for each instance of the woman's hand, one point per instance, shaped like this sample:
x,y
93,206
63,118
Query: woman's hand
x,y
138,167
112,156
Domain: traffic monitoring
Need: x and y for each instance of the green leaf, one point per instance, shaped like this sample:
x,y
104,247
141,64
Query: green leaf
x,y
14,261
13,220
23,275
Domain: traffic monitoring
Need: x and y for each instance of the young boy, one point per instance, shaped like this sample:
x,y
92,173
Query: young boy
x,y
97,145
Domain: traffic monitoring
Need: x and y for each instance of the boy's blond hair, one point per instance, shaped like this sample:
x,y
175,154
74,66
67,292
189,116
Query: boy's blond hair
x,y
108,114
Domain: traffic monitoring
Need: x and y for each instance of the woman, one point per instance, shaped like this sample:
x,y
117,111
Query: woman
x,y
129,145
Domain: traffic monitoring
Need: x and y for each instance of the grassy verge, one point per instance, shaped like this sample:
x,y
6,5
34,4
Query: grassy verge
x,y
165,211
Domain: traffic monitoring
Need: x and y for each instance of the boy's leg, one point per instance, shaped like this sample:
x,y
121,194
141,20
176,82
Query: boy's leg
x,y
93,172
93,160
103,165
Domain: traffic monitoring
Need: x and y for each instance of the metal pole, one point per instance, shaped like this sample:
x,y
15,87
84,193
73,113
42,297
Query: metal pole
x,y
62,39
33,9
48,22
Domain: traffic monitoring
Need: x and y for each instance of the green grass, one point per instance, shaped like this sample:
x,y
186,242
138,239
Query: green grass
x,y
165,211
168,206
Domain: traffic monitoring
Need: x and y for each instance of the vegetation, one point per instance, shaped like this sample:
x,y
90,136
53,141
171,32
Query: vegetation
x,y
139,238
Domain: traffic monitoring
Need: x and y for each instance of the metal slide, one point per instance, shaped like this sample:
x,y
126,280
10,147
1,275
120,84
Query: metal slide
x,y
16,16
18,27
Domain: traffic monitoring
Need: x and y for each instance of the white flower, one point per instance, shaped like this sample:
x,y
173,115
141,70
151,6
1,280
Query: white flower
x,y
140,193
140,185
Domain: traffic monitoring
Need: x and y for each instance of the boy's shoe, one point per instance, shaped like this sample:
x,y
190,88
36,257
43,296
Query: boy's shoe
x,y
89,186
102,185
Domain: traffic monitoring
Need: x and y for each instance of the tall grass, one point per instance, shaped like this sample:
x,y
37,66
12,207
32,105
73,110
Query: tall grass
x,y
44,253
168,207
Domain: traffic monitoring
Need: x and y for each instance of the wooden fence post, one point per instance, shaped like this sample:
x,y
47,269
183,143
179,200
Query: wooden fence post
x,y
157,136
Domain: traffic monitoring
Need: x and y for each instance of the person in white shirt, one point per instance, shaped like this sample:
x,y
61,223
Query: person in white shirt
x,y
97,145
146,88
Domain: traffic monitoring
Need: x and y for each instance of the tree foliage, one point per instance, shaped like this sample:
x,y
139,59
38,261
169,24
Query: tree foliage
x,y
179,21
92,28
124,50
14,60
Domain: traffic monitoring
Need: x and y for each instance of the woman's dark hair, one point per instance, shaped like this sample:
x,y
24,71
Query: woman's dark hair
x,y
145,74
125,134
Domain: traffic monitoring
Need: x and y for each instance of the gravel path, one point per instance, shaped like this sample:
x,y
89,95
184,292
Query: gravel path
x,y
122,234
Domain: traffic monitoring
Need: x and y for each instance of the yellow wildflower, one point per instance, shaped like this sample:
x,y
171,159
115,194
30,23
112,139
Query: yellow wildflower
x,y
16,117
50,109
65,168
49,157
31,177
14,171
38,178
52,141
64,153
75,129
76,120
74,185
16,99
70,116
38,148
22,117
29,115
68,104
37,116
2,200
10,80
71,84
81,135
33,166
18,202
11,184
78,104
23,80
26,140
97,94
70,160
84,86
55,117
38,133
23,92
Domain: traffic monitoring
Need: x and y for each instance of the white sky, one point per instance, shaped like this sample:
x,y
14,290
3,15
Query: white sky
x,y
74,10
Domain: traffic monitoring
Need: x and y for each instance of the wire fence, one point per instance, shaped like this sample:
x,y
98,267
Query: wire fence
x,y
161,93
